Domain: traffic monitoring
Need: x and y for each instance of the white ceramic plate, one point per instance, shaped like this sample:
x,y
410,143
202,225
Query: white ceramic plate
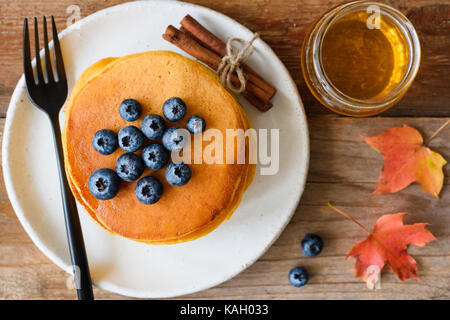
x,y
124,266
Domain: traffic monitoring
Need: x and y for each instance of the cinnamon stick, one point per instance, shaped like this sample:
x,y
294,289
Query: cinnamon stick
x,y
253,78
191,46
204,35
260,105
212,42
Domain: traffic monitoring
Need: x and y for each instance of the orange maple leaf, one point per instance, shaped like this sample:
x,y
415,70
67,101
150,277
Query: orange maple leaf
x,y
407,160
387,244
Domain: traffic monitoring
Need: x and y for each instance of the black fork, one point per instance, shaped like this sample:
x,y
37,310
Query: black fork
x,y
49,94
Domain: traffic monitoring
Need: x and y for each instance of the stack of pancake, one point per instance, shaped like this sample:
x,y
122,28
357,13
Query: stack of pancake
x,y
183,213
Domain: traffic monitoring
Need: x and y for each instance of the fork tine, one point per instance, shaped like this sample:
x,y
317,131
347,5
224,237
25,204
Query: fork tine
x,y
28,70
48,65
37,55
58,55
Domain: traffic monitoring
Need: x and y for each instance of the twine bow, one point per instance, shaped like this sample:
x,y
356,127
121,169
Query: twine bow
x,y
231,63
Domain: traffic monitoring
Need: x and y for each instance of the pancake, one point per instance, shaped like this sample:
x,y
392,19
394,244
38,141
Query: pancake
x,y
183,213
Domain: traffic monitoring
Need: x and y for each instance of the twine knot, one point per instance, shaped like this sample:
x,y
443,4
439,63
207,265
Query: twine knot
x,y
231,63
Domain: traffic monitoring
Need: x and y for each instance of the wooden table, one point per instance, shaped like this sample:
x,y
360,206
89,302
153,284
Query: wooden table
x,y
343,169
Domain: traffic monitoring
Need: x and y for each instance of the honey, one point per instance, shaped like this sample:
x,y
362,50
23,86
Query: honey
x,y
356,67
364,63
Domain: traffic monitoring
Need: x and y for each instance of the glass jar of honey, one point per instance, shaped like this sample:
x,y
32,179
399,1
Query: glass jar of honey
x,y
360,58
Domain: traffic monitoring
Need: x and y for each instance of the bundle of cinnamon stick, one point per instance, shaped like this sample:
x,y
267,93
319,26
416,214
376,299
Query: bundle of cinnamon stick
x,y
203,45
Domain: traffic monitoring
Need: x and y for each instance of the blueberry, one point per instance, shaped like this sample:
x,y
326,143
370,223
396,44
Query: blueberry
x,y
298,277
153,126
105,141
129,167
312,245
174,109
178,174
104,184
148,190
130,110
196,124
130,139
174,139
155,156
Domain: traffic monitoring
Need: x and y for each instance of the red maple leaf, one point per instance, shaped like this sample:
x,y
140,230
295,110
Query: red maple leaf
x,y
387,244
407,160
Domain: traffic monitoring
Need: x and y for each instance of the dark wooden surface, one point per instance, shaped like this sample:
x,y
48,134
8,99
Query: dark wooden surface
x,y
343,169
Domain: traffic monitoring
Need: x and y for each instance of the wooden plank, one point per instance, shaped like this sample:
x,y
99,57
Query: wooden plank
x,y
348,157
343,170
283,24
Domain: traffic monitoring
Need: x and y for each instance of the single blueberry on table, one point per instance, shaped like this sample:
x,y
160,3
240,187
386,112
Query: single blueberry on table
x,y
153,126
298,277
178,174
131,139
174,139
196,124
312,245
148,190
174,109
104,184
155,156
129,167
105,141
130,110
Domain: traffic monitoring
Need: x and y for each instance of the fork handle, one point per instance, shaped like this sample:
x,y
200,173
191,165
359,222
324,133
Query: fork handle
x,y
73,228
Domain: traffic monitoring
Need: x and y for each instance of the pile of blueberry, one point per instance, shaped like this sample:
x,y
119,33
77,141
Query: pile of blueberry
x,y
312,245
104,183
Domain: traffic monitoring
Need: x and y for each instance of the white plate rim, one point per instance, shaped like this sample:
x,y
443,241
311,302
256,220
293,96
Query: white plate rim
x,y
20,87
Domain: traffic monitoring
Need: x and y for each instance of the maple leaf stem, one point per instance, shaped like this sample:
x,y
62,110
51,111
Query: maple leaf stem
x,y
348,217
437,131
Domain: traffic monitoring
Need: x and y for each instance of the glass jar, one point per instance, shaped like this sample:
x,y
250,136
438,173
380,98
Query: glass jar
x,y
360,58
